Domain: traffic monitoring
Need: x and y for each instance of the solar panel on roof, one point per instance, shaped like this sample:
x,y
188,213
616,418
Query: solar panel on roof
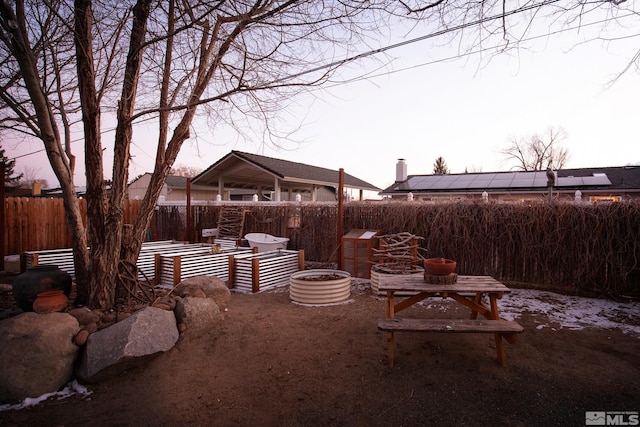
x,y
569,181
534,179
465,178
522,182
596,179
464,182
440,185
496,184
415,181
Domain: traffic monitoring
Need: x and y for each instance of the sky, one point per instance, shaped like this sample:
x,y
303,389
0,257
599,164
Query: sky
x,y
424,106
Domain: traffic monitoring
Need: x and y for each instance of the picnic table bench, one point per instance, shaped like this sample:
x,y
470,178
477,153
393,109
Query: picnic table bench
x,y
469,291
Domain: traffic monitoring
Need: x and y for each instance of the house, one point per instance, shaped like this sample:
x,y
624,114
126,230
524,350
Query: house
x,y
174,189
611,184
275,179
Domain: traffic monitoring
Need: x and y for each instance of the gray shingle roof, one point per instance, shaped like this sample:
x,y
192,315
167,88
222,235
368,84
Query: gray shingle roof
x,y
613,178
288,171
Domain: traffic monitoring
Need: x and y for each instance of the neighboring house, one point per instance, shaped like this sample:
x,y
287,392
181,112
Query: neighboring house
x,y
174,189
610,184
274,179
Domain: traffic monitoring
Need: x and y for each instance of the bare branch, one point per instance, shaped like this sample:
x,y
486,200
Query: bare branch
x,y
535,153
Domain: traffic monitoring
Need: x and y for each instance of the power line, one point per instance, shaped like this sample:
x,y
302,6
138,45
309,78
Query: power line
x,y
414,40
403,43
28,154
475,52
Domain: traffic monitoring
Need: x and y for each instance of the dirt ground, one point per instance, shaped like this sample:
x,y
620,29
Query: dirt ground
x,y
272,362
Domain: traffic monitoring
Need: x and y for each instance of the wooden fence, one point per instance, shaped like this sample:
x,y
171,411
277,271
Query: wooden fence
x,y
38,223
575,248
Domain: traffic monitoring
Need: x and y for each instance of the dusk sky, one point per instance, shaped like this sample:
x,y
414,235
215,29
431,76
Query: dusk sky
x,y
424,105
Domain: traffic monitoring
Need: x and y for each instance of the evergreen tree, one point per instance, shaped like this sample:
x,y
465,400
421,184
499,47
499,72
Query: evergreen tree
x,y
440,167
8,169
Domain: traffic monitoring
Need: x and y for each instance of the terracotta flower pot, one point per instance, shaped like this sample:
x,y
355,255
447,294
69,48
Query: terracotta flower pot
x,y
50,301
439,266
36,279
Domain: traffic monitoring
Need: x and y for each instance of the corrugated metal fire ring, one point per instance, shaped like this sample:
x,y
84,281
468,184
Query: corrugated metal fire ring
x,y
320,286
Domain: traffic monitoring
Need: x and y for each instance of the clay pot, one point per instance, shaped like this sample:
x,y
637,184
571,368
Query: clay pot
x,y
439,266
36,279
50,301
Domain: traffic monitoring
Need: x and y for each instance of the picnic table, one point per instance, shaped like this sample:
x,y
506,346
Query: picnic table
x,y
470,291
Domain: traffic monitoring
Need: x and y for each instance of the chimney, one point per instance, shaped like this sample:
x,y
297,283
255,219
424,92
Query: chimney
x,y
401,171
36,189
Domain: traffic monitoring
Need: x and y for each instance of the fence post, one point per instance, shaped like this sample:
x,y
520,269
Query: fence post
x,y
255,275
2,226
340,215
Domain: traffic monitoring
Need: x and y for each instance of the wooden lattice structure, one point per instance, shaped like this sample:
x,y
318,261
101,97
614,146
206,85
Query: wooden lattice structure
x,y
398,253
231,222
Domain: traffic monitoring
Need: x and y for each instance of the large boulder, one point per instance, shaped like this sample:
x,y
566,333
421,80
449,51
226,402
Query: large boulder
x,y
37,354
198,315
132,342
213,287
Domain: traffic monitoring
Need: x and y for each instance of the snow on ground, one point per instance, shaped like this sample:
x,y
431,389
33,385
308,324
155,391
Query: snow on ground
x,y
72,389
557,311
572,312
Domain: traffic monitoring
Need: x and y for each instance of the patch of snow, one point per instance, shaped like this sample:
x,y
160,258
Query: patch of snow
x,y
560,311
572,312
73,388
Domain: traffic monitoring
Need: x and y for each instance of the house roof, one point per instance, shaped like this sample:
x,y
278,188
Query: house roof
x,y
180,182
245,170
625,178
174,182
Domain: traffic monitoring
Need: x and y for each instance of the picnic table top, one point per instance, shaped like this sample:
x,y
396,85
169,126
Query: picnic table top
x,y
409,283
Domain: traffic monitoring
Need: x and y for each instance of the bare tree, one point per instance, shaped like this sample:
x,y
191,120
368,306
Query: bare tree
x,y
64,63
30,177
473,169
538,152
440,167
185,170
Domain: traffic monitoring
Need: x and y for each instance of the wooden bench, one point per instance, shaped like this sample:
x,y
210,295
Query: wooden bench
x,y
498,327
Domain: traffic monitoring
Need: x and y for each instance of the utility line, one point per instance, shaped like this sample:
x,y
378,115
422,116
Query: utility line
x,y
408,42
474,52
414,40
28,154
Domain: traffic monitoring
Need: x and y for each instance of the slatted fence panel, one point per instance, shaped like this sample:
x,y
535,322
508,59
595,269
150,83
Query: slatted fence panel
x,y
38,223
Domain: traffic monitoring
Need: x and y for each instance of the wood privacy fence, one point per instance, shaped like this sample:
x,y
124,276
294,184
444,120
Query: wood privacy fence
x,y
38,223
575,248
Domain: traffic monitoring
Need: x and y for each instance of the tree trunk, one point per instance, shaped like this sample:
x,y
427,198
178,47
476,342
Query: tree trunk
x,y
50,136
108,248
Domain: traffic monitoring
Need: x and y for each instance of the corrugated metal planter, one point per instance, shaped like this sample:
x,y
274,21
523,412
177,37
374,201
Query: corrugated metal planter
x,y
320,286
264,270
63,258
175,267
